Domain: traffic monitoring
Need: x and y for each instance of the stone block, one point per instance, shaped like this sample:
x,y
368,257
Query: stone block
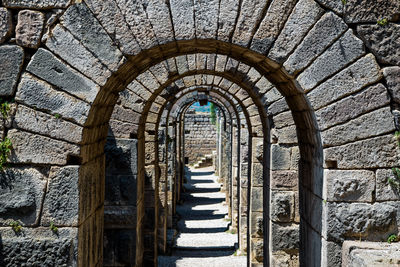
x,y
383,41
349,185
283,259
39,246
116,216
257,250
282,206
363,72
6,25
336,6
46,66
37,4
61,204
35,121
29,28
256,199
365,11
322,35
121,156
32,148
331,254
284,180
39,94
11,58
392,78
344,51
120,190
384,190
374,222
280,156
119,247
285,237
21,195
286,135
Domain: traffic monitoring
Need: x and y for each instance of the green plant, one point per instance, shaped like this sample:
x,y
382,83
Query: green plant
x,y
324,201
5,150
397,137
53,227
57,116
344,2
382,22
16,226
392,238
213,114
4,109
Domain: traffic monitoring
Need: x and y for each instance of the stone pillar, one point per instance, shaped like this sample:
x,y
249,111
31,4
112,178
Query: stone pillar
x,y
243,205
235,176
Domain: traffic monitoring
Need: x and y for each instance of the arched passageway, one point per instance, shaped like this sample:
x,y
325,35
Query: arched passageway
x,y
302,86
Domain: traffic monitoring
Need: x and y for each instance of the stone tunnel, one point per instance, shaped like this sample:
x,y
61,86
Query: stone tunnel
x,y
96,123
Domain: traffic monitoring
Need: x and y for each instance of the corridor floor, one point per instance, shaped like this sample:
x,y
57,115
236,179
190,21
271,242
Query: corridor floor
x,y
203,239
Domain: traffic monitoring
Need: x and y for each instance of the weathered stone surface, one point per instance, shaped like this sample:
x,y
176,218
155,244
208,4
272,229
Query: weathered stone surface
x,y
364,11
336,6
384,189
64,44
282,206
5,24
349,186
160,18
183,19
31,148
302,18
331,254
358,75
36,4
121,156
360,220
39,246
352,106
392,78
11,58
228,10
283,119
119,246
285,237
372,124
280,157
250,14
39,94
21,194
120,216
29,28
45,124
371,153
384,42
61,204
286,135
79,20
345,50
47,67
256,199
324,33
357,253
206,18
283,259
257,250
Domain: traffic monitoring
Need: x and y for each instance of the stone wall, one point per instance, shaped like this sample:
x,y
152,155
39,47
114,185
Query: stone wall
x,y
200,136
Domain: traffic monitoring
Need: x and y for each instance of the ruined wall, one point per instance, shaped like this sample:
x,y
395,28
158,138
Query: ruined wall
x,y
200,136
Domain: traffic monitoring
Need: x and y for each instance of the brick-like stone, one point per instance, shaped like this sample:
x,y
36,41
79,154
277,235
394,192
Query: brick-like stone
x,y
285,237
286,135
183,19
11,58
363,72
36,4
349,185
31,148
392,78
323,34
365,11
386,191
371,153
29,28
302,18
282,206
61,204
121,156
47,67
206,18
383,41
228,10
336,6
38,94
344,51
371,98
21,195
6,25
371,124
160,19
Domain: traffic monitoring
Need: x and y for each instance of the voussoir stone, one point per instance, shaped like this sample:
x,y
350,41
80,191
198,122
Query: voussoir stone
x,y
29,28
345,50
5,24
32,148
48,67
36,4
61,204
11,58
21,194
349,185
383,41
392,78
335,5
364,11
39,94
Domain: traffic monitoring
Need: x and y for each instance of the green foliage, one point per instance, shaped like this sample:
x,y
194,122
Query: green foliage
x,y
16,226
344,2
395,180
392,238
5,150
382,22
53,227
397,137
4,108
213,114
57,116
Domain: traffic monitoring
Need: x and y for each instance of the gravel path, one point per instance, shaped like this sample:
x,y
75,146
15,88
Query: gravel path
x,y
202,238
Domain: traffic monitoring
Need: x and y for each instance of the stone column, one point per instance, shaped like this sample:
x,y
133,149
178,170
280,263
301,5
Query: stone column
x,y
235,176
243,205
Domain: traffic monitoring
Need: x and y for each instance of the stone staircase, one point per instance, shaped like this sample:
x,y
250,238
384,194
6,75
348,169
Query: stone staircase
x,y
205,161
